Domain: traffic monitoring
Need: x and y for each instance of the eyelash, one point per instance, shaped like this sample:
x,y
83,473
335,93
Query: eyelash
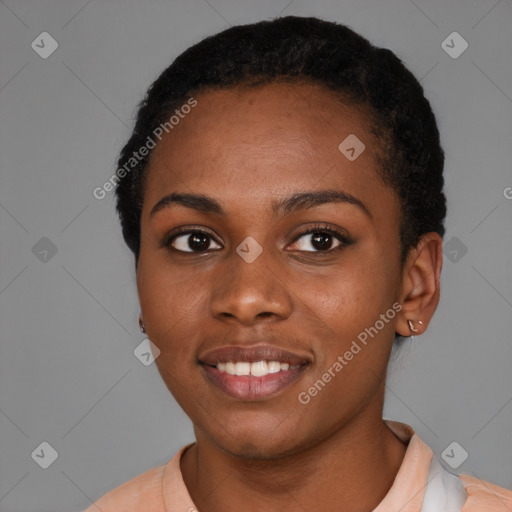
x,y
318,228
325,228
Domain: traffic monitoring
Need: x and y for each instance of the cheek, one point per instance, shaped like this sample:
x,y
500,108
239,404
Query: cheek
x,y
172,310
172,317
354,297
354,319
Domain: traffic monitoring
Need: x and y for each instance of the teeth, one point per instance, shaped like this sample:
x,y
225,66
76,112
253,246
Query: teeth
x,y
256,369
259,369
274,366
242,368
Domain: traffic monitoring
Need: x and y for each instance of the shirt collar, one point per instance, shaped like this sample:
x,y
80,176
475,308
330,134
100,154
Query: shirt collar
x,y
408,489
405,495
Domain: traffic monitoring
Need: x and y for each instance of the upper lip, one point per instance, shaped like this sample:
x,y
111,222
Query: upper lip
x,y
251,354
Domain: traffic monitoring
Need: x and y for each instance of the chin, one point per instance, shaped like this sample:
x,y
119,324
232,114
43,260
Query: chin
x,y
256,443
258,450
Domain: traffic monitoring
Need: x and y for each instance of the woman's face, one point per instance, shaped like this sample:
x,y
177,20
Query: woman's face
x,y
244,282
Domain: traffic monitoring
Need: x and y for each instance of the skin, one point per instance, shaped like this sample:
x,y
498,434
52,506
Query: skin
x,y
246,148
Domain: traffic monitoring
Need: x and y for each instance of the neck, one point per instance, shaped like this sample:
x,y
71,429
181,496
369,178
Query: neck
x,y
353,469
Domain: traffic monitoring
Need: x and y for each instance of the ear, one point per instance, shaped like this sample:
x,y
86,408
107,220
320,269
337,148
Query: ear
x,y
420,289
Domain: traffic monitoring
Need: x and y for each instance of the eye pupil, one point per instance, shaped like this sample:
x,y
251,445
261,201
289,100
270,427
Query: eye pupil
x,y
321,240
198,241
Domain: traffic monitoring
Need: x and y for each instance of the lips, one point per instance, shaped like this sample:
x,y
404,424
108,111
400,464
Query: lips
x,y
253,373
251,355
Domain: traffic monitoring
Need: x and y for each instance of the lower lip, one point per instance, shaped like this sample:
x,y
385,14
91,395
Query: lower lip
x,y
248,387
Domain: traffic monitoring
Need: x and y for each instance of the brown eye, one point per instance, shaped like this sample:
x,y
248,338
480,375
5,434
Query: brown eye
x,y
321,239
318,241
192,241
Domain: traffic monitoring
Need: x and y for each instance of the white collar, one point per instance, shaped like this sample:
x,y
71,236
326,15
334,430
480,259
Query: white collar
x,y
445,492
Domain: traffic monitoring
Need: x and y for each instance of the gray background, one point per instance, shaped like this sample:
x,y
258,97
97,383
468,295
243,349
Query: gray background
x,y
68,375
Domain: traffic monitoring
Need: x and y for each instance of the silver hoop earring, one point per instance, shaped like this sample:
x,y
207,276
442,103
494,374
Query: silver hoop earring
x,y
411,325
141,325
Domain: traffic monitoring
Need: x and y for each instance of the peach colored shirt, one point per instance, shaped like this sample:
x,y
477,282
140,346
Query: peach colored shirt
x,y
421,485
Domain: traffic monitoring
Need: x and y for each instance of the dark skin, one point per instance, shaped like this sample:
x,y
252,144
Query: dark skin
x,y
246,148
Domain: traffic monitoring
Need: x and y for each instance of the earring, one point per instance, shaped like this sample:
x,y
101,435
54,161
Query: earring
x,y
411,325
141,325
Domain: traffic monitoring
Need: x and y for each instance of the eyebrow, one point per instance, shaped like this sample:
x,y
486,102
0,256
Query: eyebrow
x,y
295,202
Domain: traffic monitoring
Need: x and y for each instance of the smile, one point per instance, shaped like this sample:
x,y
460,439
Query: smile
x,y
250,387
253,373
257,369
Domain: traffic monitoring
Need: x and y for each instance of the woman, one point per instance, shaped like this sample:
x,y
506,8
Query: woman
x,y
282,195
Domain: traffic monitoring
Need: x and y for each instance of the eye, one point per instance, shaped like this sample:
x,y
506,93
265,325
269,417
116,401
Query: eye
x,y
321,239
318,238
191,240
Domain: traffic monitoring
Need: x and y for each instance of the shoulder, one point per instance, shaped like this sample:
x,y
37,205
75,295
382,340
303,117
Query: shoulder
x,y
485,496
143,492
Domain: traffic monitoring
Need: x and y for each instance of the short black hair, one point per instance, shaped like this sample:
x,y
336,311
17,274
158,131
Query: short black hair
x,y
298,49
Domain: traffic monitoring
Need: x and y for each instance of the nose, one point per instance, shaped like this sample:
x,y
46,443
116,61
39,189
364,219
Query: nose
x,y
249,293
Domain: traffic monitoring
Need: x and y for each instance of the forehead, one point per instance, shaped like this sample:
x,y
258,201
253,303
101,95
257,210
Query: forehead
x,y
291,116
267,140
